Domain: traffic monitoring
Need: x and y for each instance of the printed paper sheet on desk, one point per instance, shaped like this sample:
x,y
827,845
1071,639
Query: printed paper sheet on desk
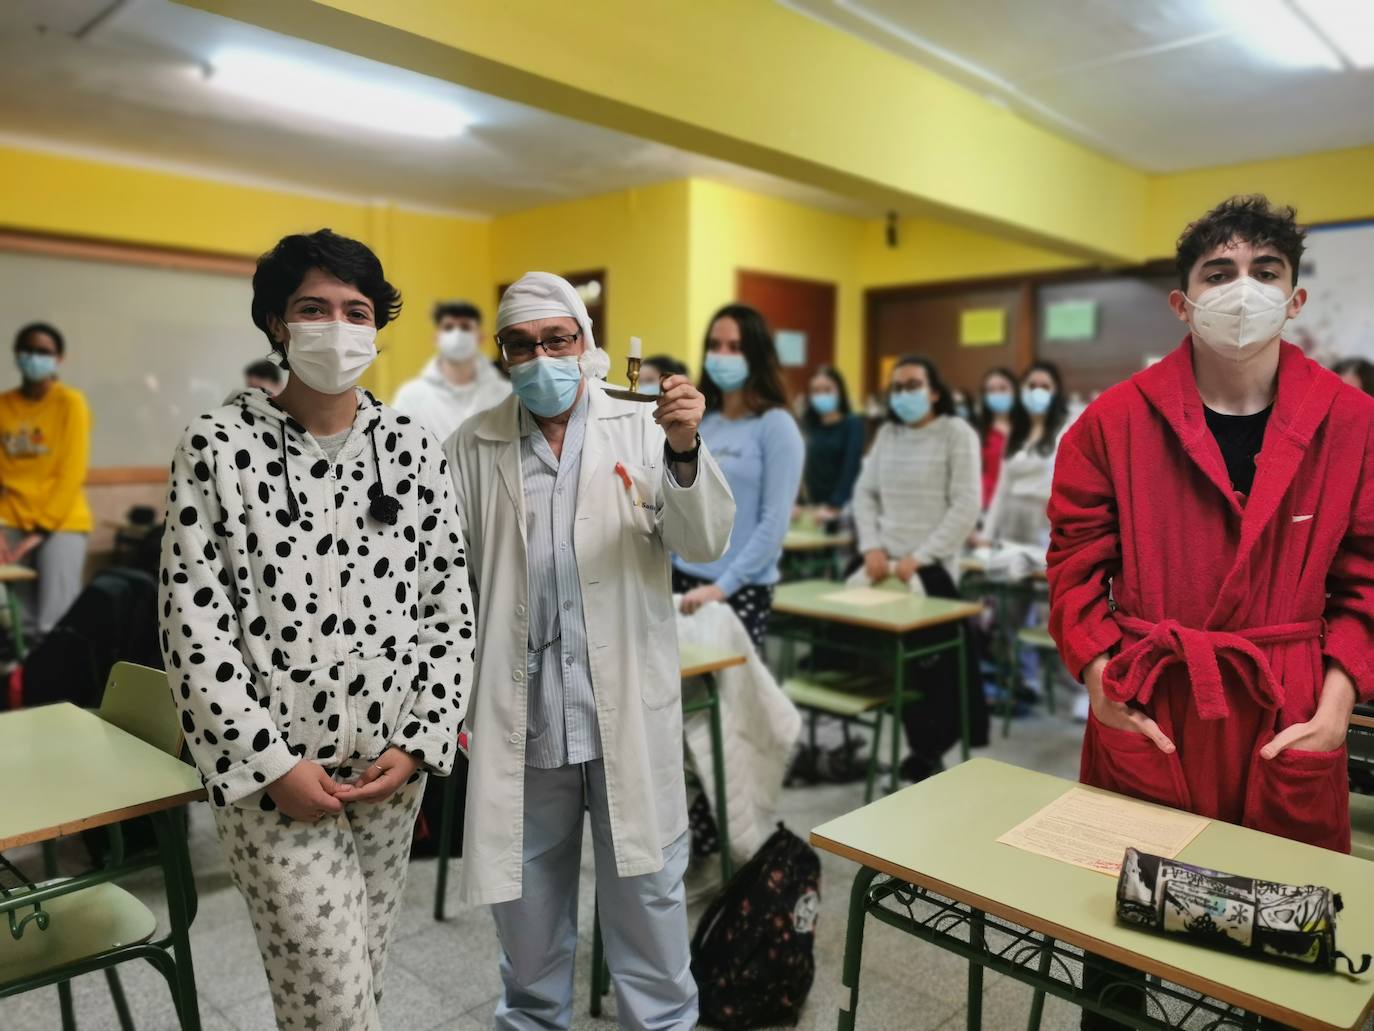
x,y
863,596
1092,829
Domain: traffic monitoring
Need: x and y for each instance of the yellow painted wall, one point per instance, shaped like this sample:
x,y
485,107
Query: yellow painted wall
x,y
639,237
733,229
1333,186
929,251
426,255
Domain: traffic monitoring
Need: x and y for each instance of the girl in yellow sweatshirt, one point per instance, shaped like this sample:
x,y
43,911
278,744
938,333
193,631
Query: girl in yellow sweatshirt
x,y
45,436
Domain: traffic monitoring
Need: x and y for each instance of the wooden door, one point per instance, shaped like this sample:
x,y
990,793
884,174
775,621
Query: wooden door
x,y
801,314
927,321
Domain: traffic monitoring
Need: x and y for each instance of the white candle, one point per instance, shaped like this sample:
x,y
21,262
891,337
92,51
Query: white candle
x,y
636,348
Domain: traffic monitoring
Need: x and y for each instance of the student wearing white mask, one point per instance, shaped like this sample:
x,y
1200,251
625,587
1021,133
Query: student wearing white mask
x,y
572,501
317,631
1211,562
458,382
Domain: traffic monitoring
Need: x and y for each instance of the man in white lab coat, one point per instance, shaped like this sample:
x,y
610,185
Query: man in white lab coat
x,y
571,501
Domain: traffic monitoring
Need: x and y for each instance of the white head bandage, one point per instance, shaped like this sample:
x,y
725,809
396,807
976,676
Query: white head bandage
x,y
542,295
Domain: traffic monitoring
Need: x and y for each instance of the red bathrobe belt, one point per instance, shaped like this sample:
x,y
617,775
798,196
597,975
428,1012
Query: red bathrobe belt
x,y
1132,673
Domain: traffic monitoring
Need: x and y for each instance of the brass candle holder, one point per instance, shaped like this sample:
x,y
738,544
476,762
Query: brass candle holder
x,y
632,364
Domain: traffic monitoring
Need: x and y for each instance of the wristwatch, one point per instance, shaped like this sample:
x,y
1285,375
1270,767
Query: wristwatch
x,y
682,456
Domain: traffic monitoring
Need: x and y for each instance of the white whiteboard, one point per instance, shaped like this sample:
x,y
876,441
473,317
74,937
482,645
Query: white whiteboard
x,y
151,348
1338,272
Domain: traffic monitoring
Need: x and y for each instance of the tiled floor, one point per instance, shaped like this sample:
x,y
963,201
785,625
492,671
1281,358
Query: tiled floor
x,y
445,975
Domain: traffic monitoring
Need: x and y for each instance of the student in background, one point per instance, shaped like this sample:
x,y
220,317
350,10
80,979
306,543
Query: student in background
x,y
998,406
753,436
45,441
458,382
834,444
1357,372
314,560
654,370
915,505
265,375
1017,511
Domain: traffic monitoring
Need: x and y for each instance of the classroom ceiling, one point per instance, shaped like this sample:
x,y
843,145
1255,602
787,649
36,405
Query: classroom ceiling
x,y
127,80
1164,85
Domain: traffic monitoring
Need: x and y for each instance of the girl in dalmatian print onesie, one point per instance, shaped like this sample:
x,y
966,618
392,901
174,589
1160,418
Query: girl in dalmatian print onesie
x,y
317,632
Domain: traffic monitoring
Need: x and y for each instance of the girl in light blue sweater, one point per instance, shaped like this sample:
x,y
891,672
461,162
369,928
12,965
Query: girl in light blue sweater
x,y
753,436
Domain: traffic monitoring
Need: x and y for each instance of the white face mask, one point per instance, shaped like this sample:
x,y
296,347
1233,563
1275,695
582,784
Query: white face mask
x,y
458,345
330,356
1237,318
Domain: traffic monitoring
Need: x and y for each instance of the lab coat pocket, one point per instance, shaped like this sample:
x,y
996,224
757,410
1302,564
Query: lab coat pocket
x,y
1301,795
1132,764
660,679
637,497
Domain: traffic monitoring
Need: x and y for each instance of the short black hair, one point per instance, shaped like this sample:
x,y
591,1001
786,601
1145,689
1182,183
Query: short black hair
x,y
281,270
40,327
456,310
666,365
1250,218
264,368
1363,370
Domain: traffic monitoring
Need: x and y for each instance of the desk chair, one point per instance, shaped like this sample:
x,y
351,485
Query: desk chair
x,y
98,927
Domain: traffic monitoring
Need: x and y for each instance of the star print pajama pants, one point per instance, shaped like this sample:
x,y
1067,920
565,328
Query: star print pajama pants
x,y
322,897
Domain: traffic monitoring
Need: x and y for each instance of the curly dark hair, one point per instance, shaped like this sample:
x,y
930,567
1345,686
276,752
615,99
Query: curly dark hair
x,y
281,270
1250,218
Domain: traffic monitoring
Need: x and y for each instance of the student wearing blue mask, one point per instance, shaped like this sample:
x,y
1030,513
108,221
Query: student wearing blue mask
x,y
45,439
655,369
756,441
915,505
996,403
1017,510
834,444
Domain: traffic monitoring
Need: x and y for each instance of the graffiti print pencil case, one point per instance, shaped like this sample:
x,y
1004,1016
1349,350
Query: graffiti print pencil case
x,y
1293,922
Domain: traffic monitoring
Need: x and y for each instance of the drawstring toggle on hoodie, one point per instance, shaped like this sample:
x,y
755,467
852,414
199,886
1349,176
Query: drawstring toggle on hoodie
x,y
384,507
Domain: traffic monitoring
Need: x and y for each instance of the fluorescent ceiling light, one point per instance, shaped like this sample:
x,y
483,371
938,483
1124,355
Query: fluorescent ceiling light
x,y
324,94
1348,25
1275,32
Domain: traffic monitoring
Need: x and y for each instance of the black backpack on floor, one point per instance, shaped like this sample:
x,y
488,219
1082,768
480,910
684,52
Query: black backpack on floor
x,y
113,619
752,955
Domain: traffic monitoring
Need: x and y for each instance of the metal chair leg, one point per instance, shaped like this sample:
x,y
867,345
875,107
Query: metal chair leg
x,y
445,845
121,1004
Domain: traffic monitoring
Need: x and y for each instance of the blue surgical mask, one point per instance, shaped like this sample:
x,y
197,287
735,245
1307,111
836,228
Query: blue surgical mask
x,y
652,389
999,403
546,386
34,366
911,406
727,371
825,404
1037,400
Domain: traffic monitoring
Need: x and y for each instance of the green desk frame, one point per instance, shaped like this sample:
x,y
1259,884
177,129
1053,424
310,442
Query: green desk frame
x,y
883,646
973,585
21,900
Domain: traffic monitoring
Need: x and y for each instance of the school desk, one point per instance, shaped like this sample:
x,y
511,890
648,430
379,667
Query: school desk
x,y
693,662
808,551
66,770
14,574
974,583
931,865
808,611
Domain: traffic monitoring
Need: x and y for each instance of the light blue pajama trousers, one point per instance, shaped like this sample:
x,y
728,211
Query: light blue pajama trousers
x,y
643,919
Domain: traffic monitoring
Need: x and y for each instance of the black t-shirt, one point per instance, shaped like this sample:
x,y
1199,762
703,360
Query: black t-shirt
x,y
1240,438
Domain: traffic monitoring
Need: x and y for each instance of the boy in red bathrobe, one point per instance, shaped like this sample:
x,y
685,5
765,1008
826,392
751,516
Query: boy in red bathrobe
x,y
1211,561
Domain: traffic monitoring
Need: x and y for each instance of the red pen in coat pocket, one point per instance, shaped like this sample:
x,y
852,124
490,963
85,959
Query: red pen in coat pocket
x,y
624,476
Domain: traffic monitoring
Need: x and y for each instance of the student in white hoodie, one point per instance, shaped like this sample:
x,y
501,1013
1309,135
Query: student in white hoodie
x,y
458,382
317,631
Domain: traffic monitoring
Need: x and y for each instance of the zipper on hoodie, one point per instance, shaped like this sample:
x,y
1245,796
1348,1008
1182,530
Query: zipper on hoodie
x,y
346,732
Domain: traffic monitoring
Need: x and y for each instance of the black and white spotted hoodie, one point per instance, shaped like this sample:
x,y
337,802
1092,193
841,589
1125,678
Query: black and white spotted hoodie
x,y
312,629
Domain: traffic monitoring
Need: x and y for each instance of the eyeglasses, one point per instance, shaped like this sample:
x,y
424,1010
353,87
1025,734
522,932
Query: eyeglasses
x,y
522,349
